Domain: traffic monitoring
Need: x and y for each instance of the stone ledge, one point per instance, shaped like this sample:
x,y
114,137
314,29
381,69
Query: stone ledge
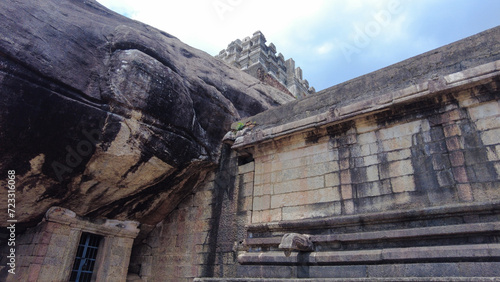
x,y
409,233
379,217
390,255
370,279
104,227
480,74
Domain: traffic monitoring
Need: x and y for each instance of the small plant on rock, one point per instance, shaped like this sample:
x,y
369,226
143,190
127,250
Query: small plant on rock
x,y
240,126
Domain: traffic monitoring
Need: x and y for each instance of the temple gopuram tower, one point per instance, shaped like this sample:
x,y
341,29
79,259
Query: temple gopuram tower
x,y
253,56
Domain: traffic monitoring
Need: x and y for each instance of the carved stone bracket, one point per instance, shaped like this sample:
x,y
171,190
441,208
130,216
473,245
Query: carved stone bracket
x,y
296,242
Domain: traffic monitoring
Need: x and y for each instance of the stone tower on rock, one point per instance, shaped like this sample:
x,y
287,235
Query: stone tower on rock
x,y
253,56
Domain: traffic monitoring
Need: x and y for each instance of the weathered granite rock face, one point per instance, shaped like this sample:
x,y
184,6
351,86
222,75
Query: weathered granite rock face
x,y
108,116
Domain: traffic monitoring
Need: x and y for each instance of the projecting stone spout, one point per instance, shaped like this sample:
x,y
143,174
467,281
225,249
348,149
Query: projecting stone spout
x,y
296,242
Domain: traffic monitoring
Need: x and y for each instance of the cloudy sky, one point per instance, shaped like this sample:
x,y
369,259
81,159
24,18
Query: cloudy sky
x,y
331,40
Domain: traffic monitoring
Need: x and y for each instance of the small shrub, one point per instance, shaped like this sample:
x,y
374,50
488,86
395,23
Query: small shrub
x,y
240,126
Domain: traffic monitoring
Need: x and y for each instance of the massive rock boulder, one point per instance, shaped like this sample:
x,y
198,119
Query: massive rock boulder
x,y
108,116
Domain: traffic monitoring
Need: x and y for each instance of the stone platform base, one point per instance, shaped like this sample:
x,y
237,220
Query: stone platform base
x,y
395,279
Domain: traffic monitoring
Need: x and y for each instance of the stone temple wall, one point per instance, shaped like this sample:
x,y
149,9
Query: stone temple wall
x,y
401,183
47,252
442,151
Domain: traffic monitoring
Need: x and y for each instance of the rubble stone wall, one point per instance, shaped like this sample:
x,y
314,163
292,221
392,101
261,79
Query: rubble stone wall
x,y
176,249
201,238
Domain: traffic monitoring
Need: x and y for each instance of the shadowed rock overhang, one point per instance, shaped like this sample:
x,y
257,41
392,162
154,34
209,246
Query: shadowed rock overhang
x,y
107,116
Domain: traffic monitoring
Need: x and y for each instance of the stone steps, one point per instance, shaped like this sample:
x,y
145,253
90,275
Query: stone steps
x,y
423,271
370,279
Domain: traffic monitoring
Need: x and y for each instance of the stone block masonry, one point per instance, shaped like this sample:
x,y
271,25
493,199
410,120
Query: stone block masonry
x,y
409,178
47,252
415,155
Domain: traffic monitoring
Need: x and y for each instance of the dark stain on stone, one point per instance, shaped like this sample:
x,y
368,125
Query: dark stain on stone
x,y
224,186
339,129
479,168
425,179
186,53
312,137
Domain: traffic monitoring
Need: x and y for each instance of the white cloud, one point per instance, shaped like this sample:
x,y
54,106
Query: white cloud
x,y
316,33
211,25
324,48
291,25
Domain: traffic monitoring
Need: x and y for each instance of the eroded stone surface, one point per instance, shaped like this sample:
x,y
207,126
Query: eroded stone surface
x,y
107,116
